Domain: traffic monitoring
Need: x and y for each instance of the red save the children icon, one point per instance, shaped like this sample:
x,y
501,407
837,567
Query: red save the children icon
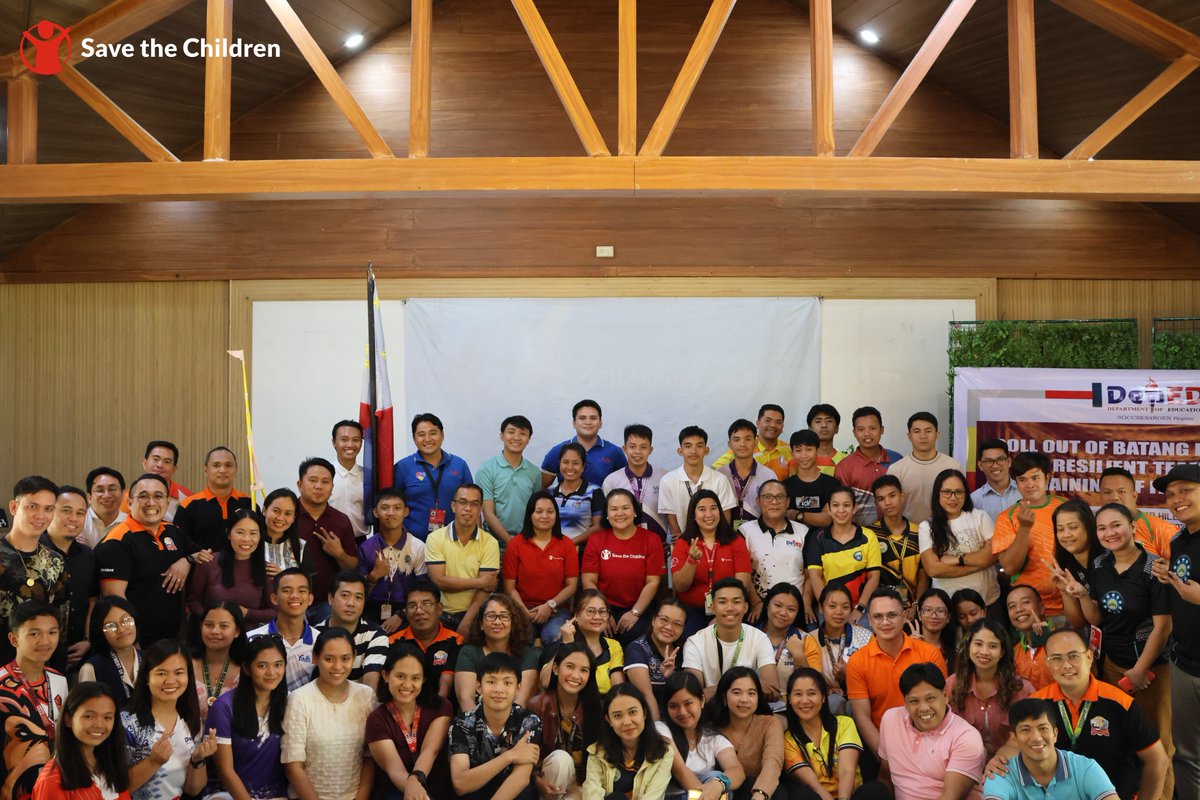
x,y
46,38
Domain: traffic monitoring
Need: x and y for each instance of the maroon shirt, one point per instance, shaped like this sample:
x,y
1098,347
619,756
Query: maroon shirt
x,y
326,567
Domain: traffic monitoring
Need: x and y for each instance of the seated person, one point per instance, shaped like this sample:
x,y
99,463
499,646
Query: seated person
x,y
1040,771
292,595
947,765
653,657
629,758
1026,615
986,684
704,760
494,747
439,644
346,605
729,642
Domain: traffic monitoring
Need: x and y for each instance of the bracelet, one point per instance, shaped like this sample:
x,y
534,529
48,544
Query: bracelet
x,y
420,776
196,764
763,792
723,778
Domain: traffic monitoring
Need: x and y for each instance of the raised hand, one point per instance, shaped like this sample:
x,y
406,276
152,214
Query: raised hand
x,y
667,668
161,751
525,751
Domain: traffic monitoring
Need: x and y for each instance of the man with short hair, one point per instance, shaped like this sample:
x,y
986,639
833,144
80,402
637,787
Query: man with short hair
x,y
429,478
868,461
105,490
640,477
926,751
1024,534
509,480
1041,771
347,494
440,644
346,604
1028,621
147,561
162,458
744,473
677,486
999,491
391,559
31,697
825,421
62,536
899,542
1117,485
776,547
873,672
204,516
291,594
1099,721
729,642
767,450
29,570
810,488
328,532
918,470
463,559
602,457
1180,572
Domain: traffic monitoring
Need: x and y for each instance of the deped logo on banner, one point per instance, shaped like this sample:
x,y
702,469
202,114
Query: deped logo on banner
x,y
1150,395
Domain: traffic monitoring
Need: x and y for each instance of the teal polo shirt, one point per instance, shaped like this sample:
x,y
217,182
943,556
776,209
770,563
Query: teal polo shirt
x,y
509,488
1076,777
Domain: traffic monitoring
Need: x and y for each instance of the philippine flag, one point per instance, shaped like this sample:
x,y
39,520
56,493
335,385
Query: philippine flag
x,y
375,409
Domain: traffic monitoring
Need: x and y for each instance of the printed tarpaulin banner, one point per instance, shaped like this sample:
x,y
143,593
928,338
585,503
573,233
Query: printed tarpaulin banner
x,y
1085,420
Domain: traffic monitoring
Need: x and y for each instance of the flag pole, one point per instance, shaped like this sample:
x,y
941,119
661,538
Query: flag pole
x,y
373,377
255,485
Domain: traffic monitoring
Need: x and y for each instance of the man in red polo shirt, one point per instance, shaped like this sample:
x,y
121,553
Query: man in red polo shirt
x,y
869,461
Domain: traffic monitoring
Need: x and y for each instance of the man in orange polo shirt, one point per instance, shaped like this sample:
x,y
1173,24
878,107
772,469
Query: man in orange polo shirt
x,y
873,672
204,516
1024,534
423,608
1118,486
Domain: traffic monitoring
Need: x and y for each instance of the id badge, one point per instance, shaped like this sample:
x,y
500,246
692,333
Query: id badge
x,y
385,612
708,603
437,519
1095,640
737,523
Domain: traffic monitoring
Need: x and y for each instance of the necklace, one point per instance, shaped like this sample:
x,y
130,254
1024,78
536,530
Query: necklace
x,y
214,691
29,579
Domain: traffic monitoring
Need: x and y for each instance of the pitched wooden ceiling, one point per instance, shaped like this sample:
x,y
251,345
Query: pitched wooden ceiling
x,y
1084,75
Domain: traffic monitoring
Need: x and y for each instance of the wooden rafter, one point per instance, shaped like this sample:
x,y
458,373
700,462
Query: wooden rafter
x,y
1022,80
1139,181
114,115
1137,25
914,73
22,120
820,22
419,79
627,78
1167,80
116,21
560,77
329,78
218,77
689,76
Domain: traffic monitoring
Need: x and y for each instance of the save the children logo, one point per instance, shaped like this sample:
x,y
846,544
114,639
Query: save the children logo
x,y
47,40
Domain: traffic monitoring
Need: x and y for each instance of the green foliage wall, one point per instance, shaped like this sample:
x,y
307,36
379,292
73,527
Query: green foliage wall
x,y
1102,344
1176,350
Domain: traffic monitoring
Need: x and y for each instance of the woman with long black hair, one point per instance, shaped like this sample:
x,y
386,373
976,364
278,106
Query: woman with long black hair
x,y
115,660
1076,548
89,757
249,724
218,648
739,711
282,546
986,684
238,573
707,550
629,759
956,540
569,709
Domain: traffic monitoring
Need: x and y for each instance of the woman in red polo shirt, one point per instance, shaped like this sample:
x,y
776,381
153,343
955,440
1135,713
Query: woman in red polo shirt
x,y
708,550
541,568
625,562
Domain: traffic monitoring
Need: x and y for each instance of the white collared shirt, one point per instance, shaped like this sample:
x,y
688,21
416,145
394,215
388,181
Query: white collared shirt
x,y
347,496
94,529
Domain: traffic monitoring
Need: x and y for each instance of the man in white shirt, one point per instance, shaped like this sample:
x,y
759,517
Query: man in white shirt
x,y
105,488
776,547
745,474
729,642
347,494
677,486
918,470
640,477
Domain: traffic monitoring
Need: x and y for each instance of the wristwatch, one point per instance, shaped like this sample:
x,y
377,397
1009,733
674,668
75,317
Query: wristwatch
x,y
553,604
860,608
635,612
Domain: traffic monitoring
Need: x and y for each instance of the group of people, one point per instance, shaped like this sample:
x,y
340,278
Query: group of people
x,y
785,622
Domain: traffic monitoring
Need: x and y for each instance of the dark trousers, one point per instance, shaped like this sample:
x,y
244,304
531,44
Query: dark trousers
x,y
871,790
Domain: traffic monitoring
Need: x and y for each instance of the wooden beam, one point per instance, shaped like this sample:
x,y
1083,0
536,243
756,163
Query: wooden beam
x,y
956,178
22,120
218,75
1138,105
627,78
114,115
560,77
1135,24
1022,81
820,23
118,20
329,78
916,71
689,76
420,75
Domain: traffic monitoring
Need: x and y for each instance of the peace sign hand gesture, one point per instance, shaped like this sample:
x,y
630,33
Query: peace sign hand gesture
x,y
668,664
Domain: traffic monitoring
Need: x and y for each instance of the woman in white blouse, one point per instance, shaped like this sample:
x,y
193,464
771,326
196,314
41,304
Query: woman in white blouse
x,y
956,540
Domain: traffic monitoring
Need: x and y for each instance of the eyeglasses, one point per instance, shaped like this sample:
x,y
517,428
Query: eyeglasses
x,y
991,462
889,617
1074,658
595,612
469,503
106,490
667,622
422,605
954,492
113,627
157,497
278,637
934,612
772,498
494,617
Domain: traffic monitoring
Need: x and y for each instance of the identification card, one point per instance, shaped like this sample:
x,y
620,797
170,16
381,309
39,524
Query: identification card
x,y
385,612
437,519
708,603
1096,640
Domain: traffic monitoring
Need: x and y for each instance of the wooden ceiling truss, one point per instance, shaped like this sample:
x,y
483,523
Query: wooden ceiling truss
x,y
632,170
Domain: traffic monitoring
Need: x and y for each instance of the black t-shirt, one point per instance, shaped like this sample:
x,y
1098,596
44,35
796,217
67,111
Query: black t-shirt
x,y
1185,616
133,554
810,495
1127,601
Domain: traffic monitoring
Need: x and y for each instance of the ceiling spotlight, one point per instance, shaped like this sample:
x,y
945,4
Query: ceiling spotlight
x,y
869,36
355,40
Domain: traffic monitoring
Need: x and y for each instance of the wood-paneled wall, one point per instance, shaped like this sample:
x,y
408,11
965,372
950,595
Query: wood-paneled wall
x,y
94,371
491,97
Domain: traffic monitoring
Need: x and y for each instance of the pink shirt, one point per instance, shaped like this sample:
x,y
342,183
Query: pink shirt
x,y
985,714
919,761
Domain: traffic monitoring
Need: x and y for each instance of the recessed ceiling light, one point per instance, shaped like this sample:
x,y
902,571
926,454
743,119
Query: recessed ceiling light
x,y
869,36
355,40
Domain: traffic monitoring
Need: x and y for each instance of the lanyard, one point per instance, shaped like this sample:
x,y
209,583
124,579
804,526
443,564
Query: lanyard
x,y
410,734
636,482
711,557
436,483
739,486
690,490
137,660
737,651
783,644
46,712
1074,731
214,692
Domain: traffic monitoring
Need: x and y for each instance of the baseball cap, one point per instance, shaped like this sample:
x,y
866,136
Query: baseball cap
x,y
1179,472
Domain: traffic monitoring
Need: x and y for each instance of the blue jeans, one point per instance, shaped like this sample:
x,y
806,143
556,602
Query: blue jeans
x,y
548,631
